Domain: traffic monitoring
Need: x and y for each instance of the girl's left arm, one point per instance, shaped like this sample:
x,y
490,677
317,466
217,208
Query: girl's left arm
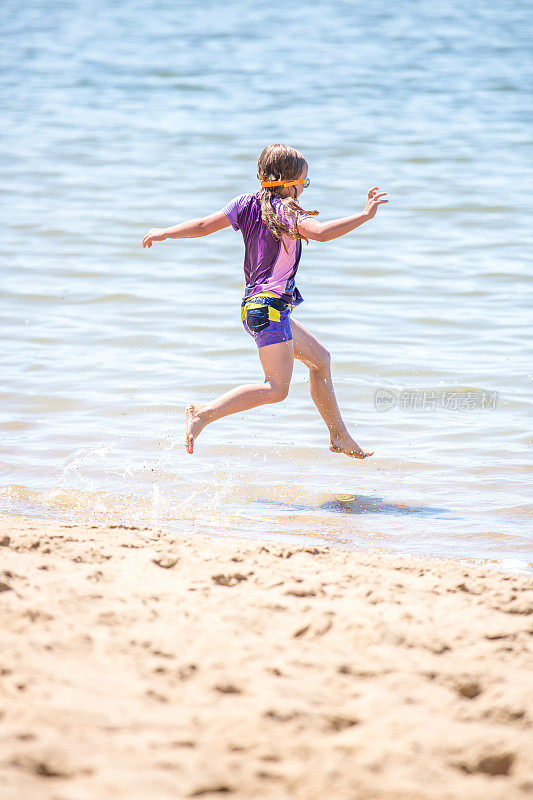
x,y
190,229
326,231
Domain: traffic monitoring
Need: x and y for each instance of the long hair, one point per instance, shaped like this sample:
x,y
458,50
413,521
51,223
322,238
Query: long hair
x,y
280,162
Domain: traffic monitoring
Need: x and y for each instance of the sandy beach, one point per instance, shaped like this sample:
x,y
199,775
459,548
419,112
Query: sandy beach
x,y
137,664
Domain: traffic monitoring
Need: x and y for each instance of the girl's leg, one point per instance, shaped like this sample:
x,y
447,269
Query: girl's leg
x,y
316,357
277,361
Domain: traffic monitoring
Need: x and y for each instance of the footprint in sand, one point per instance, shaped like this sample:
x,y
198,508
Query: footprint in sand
x,y
229,580
165,562
469,689
227,688
490,764
216,788
53,765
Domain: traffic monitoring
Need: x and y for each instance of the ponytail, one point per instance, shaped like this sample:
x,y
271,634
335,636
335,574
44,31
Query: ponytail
x,y
279,162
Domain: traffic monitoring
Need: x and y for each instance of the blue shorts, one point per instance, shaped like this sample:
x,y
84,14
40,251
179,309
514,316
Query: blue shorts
x,y
266,323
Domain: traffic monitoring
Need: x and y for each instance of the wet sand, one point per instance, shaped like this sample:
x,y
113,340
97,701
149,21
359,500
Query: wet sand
x,y
138,664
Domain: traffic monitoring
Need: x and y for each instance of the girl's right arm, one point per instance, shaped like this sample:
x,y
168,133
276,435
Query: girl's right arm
x,y
188,230
325,231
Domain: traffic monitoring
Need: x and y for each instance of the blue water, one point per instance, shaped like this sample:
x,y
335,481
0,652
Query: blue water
x,y
121,116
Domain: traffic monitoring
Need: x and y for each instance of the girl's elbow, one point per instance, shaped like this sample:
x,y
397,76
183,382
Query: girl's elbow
x,y
203,227
314,231
318,236
209,225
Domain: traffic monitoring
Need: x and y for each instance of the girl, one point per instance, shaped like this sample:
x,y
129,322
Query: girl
x,y
273,225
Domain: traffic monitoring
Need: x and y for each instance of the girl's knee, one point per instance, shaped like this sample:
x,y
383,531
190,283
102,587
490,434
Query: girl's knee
x,y
278,393
323,360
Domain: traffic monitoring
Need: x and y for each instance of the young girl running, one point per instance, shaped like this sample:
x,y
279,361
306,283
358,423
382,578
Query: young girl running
x,y
273,225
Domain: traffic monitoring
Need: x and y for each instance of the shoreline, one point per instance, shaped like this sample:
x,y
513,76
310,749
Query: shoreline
x,y
504,565
136,663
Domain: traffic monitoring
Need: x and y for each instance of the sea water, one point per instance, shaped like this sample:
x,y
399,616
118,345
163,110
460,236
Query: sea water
x,y
121,115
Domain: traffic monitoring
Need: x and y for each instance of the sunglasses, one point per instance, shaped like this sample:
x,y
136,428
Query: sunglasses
x,y
304,181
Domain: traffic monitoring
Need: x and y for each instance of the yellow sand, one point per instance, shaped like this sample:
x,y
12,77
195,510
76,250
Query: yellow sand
x,y
140,665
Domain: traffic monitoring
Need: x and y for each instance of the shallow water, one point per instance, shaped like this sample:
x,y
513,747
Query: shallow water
x,y
123,116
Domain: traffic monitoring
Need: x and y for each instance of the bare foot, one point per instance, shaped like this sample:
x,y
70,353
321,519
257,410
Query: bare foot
x,y
193,426
343,443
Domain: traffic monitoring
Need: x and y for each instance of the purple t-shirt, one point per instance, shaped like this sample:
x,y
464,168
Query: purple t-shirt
x,y
267,267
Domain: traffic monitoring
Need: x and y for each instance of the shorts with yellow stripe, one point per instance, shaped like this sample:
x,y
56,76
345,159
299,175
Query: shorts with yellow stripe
x,y
267,318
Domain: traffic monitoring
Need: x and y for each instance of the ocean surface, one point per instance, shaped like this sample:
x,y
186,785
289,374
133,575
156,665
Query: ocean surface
x,y
118,116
